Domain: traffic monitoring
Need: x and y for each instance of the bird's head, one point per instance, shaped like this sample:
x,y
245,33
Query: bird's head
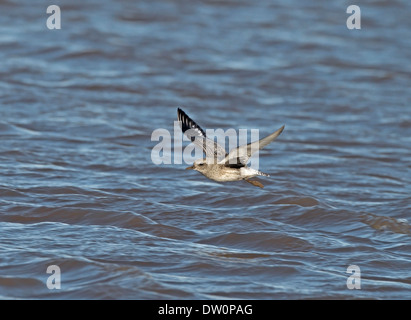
x,y
198,165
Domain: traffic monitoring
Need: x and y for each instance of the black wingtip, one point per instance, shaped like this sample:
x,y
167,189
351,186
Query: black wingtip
x,y
187,123
181,114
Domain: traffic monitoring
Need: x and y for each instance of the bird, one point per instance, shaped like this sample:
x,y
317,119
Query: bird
x,y
218,165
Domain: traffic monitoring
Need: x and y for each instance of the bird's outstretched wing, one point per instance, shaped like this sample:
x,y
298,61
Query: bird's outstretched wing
x,y
241,155
214,152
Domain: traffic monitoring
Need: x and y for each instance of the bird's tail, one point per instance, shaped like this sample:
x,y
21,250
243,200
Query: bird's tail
x,y
259,173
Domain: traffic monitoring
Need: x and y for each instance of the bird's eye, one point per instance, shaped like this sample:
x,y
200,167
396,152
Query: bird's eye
x,y
201,164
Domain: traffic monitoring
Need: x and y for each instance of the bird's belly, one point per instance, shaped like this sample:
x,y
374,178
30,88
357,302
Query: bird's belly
x,y
230,174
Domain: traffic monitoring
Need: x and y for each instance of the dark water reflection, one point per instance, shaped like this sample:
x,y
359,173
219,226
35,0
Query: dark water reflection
x,y
79,190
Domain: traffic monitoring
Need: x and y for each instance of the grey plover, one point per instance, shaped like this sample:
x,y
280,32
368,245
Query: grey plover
x,y
218,165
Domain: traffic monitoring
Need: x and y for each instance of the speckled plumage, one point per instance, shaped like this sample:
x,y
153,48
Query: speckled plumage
x,y
219,165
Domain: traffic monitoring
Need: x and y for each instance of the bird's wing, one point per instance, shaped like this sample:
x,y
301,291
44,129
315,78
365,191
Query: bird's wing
x,y
241,155
214,152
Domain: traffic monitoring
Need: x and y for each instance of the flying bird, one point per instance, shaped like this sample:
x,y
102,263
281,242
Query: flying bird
x,y
218,165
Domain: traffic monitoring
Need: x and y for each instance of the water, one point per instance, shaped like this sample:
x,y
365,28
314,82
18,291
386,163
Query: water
x,y
79,190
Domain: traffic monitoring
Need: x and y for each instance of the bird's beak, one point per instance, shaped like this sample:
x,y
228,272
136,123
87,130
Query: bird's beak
x,y
190,168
